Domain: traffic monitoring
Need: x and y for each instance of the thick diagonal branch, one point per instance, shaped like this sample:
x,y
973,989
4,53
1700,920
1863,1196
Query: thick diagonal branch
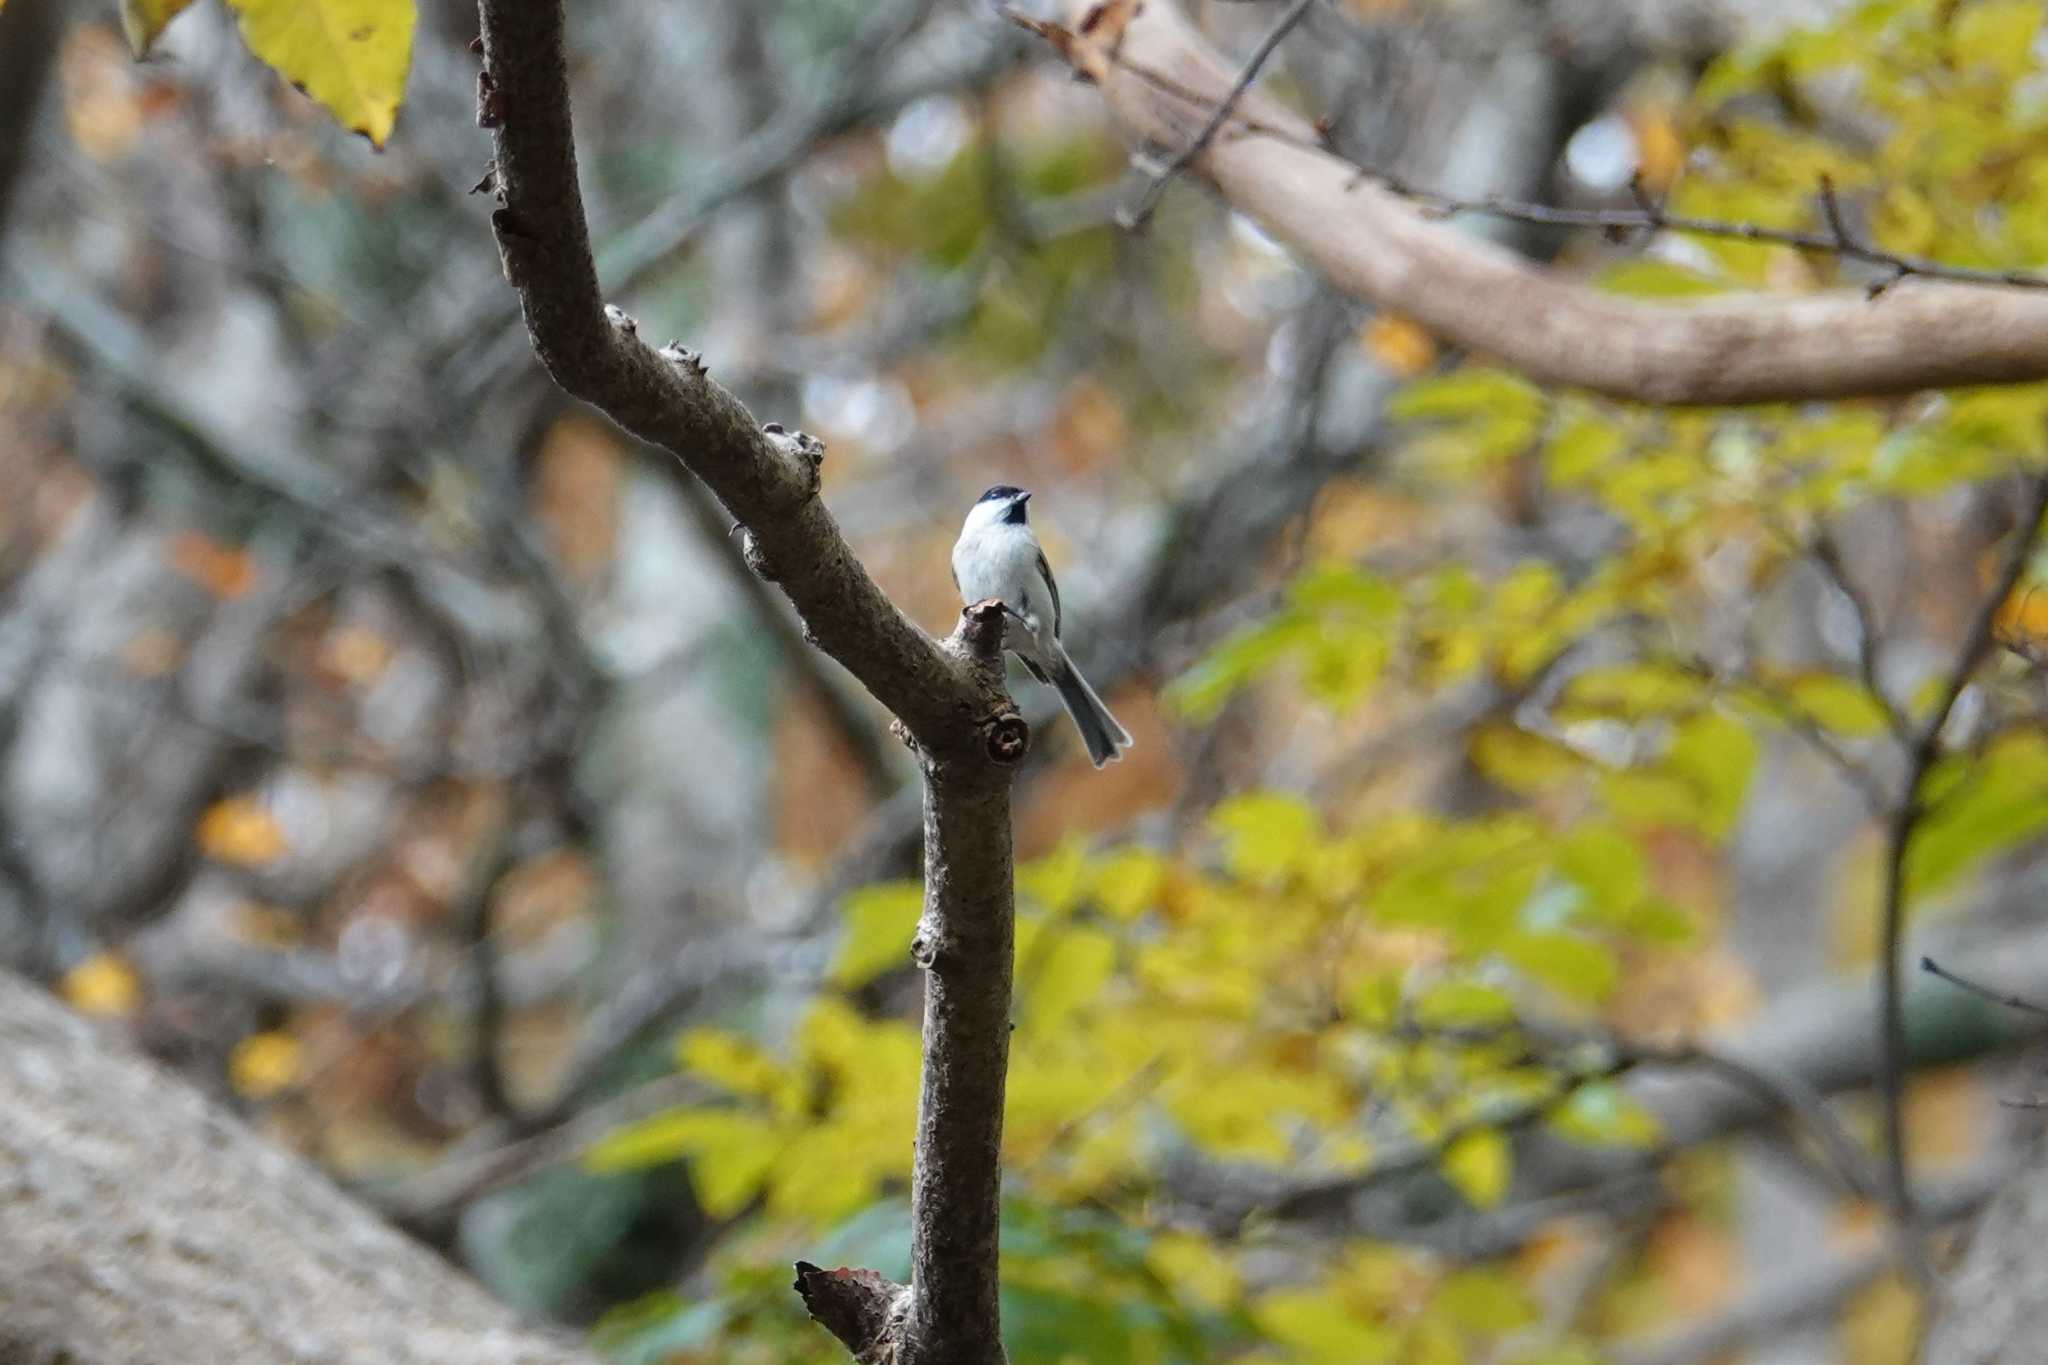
x,y
1163,81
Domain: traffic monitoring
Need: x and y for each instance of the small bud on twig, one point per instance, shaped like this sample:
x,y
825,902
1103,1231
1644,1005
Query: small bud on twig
x,y
683,358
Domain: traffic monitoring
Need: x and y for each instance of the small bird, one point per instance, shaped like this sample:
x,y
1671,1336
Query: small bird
x,y
997,556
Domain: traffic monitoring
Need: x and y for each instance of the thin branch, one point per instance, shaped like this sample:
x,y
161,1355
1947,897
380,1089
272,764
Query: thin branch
x,y
1983,992
1139,213
1829,556
1905,822
1784,1091
1837,240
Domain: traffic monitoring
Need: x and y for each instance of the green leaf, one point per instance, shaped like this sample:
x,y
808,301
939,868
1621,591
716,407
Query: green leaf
x,y
877,923
1239,661
1479,1164
1647,278
736,1064
1320,1328
729,1152
1632,692
1979,807
1471,394
1463,1004
350,56
1608,866
1579,452
1601,1113
1837,704
1485,1301
1522,761
1572,966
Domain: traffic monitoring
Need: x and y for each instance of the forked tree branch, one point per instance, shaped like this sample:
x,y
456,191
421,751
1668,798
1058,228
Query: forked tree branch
x,y
947,695
1163,82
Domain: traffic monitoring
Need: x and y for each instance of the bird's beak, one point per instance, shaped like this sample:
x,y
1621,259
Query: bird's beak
x,y
1023,497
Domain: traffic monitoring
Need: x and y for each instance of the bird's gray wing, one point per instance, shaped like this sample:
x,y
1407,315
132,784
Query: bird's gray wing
x,y
1045,572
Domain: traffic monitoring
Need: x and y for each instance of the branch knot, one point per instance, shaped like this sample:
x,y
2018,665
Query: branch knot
x,y
1007,737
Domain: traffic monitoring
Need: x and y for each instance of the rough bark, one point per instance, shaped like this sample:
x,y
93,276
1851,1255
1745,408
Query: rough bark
x,y
1163,81
1994,1311
144,1226
948,696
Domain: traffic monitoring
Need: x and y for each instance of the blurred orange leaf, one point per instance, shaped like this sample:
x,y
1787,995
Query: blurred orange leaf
x,y
100,108
102,984
577,495
152,653
239,831
356,654
226,571
2022,620
1400,346
1660,151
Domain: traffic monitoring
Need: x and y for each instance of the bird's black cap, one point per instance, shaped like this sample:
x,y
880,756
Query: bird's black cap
x,y
1002,492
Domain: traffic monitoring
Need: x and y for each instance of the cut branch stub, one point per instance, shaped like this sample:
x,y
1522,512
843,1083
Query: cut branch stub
x,y
981,627
862,1308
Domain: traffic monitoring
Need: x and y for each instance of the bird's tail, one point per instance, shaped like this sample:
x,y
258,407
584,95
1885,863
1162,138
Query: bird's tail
x,y
1106,740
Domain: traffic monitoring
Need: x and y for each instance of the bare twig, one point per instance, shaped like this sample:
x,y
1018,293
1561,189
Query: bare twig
x,y
1829,556
1983,992
1904,823
1138,214
1648,216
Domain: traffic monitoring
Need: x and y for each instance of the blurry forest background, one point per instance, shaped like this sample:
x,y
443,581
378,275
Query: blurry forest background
x,y
1471,962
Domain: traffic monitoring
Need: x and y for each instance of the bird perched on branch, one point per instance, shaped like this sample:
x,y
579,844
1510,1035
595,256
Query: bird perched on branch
x,y
997,556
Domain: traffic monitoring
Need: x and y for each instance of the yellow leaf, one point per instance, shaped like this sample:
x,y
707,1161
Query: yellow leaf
x,y
349,55
1479,1164
102,984
1196,1267
1067,968
878,923
729,1152
730,1061
264,1063
1128,882
239,831
143,20
1267,835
